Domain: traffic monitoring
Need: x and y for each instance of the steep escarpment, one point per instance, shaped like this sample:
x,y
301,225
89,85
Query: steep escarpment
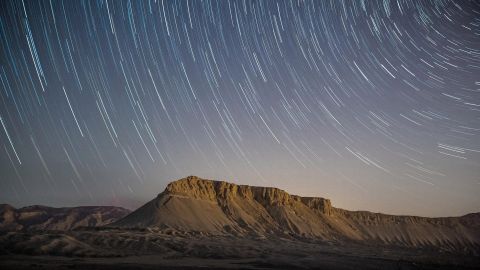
x,y
39,217
220,207
216,207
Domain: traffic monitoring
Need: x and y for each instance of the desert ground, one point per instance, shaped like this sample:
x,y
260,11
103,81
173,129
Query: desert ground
x,y
144,249
204,224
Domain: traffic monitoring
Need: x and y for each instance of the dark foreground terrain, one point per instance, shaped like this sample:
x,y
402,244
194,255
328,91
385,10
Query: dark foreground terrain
x,y
96,248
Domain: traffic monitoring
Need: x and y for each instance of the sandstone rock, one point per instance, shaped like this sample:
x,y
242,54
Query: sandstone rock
x,y
193,204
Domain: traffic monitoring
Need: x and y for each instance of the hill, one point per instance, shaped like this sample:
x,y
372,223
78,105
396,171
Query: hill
x,y
213,207
37,217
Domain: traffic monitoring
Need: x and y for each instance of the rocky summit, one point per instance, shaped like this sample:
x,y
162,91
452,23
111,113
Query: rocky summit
x,y
213,207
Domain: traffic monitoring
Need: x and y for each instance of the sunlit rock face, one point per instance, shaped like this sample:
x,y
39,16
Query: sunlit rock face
x,y
193,204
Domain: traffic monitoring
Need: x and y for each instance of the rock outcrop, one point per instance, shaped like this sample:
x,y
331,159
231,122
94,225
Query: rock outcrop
x,y
193,204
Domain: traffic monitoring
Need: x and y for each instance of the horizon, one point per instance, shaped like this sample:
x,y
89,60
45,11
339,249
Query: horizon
x,y
134,207
374,105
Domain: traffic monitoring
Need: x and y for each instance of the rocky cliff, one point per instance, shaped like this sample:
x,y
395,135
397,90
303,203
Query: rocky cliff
x,y
193,204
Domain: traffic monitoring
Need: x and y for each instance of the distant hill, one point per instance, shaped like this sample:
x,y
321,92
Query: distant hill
x,y
39,217
193,204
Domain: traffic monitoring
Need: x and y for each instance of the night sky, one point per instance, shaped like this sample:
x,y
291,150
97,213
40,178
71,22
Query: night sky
x,y
373,104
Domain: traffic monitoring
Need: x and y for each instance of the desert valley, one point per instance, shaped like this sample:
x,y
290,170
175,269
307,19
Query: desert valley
x,y
196,223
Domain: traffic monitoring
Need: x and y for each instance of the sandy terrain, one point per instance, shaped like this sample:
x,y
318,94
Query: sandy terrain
x,y
205,224
144,249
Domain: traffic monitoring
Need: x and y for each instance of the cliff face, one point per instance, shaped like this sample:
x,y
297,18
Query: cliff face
x,y
193,204
221,192
38,217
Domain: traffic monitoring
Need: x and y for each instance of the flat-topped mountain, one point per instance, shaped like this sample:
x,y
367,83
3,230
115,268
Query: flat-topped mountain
x,y
37,217
193,204
216,224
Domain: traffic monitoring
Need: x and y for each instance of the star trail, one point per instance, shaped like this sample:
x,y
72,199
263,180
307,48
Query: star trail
x,y
373,104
